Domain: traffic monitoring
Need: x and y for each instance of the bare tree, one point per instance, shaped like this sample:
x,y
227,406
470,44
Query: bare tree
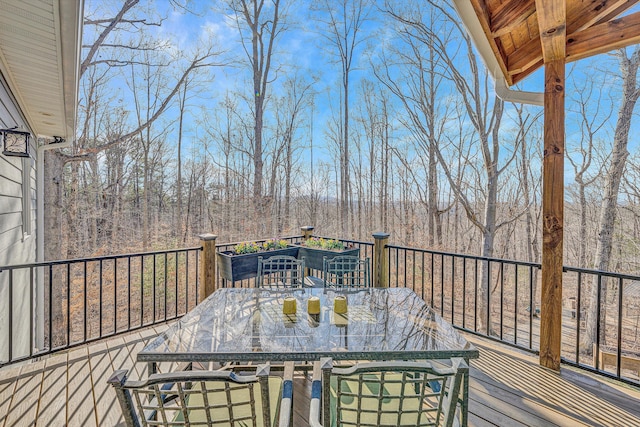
x,y
104,57
259,24
341,23
484,114
583,159
630,92
290,109
411,71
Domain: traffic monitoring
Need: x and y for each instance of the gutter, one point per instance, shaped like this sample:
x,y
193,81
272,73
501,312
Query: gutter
x,y
471,23
517,96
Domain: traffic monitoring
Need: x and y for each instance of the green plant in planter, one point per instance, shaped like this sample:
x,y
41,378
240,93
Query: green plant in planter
x,y
315,249
253,247
241,261
320,243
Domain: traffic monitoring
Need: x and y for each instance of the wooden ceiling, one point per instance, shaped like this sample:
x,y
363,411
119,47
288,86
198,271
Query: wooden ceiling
x,y
513,29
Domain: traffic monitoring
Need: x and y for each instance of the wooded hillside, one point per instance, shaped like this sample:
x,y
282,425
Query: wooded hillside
x,y
391,125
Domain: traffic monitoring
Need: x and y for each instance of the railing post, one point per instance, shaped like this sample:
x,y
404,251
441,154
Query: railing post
x,y
207,266
380,260
307,231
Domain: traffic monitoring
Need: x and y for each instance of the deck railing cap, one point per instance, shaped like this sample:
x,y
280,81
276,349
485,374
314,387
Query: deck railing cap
x,y
381,235
208,236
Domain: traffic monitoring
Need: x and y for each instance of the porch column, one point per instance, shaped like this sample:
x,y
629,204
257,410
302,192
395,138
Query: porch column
x,y
207,266
552,24
380,260
553,215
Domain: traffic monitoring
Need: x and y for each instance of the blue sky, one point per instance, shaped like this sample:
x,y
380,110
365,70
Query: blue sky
x,y
302,46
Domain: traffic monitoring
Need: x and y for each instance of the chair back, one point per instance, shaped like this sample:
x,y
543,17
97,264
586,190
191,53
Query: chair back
x,y
390,393
346,271
199,398
280,271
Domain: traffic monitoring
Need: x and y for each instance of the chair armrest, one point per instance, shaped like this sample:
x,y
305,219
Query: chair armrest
x,y
286,405
315,407
118,378
316,396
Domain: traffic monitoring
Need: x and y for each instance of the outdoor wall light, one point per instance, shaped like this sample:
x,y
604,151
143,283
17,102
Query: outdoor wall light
x,y
16,143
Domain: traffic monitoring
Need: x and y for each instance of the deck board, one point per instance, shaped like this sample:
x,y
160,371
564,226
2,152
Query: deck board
x,y
7,388
80,402
572,397
53,395
24,401
107,408
507,388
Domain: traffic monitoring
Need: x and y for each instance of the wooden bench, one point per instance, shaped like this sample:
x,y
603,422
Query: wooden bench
x,y
610,358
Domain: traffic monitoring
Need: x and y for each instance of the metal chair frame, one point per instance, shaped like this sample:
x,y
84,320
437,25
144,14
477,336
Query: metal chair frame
x,y
164,399
425,395
280,271
346,271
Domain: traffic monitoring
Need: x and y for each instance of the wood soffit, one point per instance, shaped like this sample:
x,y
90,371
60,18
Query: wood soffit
x,y
523,34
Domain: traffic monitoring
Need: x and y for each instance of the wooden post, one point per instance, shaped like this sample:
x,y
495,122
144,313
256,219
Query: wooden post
x,y
307,231
207,266
552,24
380,260
552,214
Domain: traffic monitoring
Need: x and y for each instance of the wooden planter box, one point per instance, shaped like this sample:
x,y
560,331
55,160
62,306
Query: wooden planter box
x,y
313,256
239,267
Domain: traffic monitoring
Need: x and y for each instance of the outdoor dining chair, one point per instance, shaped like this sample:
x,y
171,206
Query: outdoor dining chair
x,y
386,394
206,398
346,271
281,271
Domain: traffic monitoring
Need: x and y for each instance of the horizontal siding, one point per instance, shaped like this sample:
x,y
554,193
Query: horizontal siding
x,y
10,205
9,221
9,188
18,189
11,168
15,248
20,251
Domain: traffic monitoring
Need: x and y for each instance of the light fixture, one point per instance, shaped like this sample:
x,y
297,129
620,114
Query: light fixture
x,y
16,143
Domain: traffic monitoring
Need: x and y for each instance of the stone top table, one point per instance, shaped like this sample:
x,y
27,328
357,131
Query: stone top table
x,y
247,324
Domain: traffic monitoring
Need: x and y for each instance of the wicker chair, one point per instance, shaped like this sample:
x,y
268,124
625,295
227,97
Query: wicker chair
x,y
386,393
280,271
346,271
206,398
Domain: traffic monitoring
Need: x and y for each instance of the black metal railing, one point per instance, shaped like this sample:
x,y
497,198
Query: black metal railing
x,y
82,300
500,299
51,306
603,336
454,285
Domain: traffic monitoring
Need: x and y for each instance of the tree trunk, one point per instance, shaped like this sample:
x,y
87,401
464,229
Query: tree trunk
x,y
53,212
608,209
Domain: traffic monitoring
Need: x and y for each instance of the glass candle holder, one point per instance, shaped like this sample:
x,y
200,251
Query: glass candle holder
x,y
289,306
340,304
313,305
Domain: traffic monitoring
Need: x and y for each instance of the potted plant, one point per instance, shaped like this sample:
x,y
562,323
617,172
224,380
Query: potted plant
x,y
316,248
241,262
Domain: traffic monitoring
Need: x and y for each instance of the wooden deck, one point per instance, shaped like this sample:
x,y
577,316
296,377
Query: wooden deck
x,y
507,388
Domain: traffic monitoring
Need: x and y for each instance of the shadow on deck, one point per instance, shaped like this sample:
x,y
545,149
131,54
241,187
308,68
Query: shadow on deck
x,y
507,388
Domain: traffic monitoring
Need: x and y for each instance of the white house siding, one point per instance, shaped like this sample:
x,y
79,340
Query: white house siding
x,y
17,238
